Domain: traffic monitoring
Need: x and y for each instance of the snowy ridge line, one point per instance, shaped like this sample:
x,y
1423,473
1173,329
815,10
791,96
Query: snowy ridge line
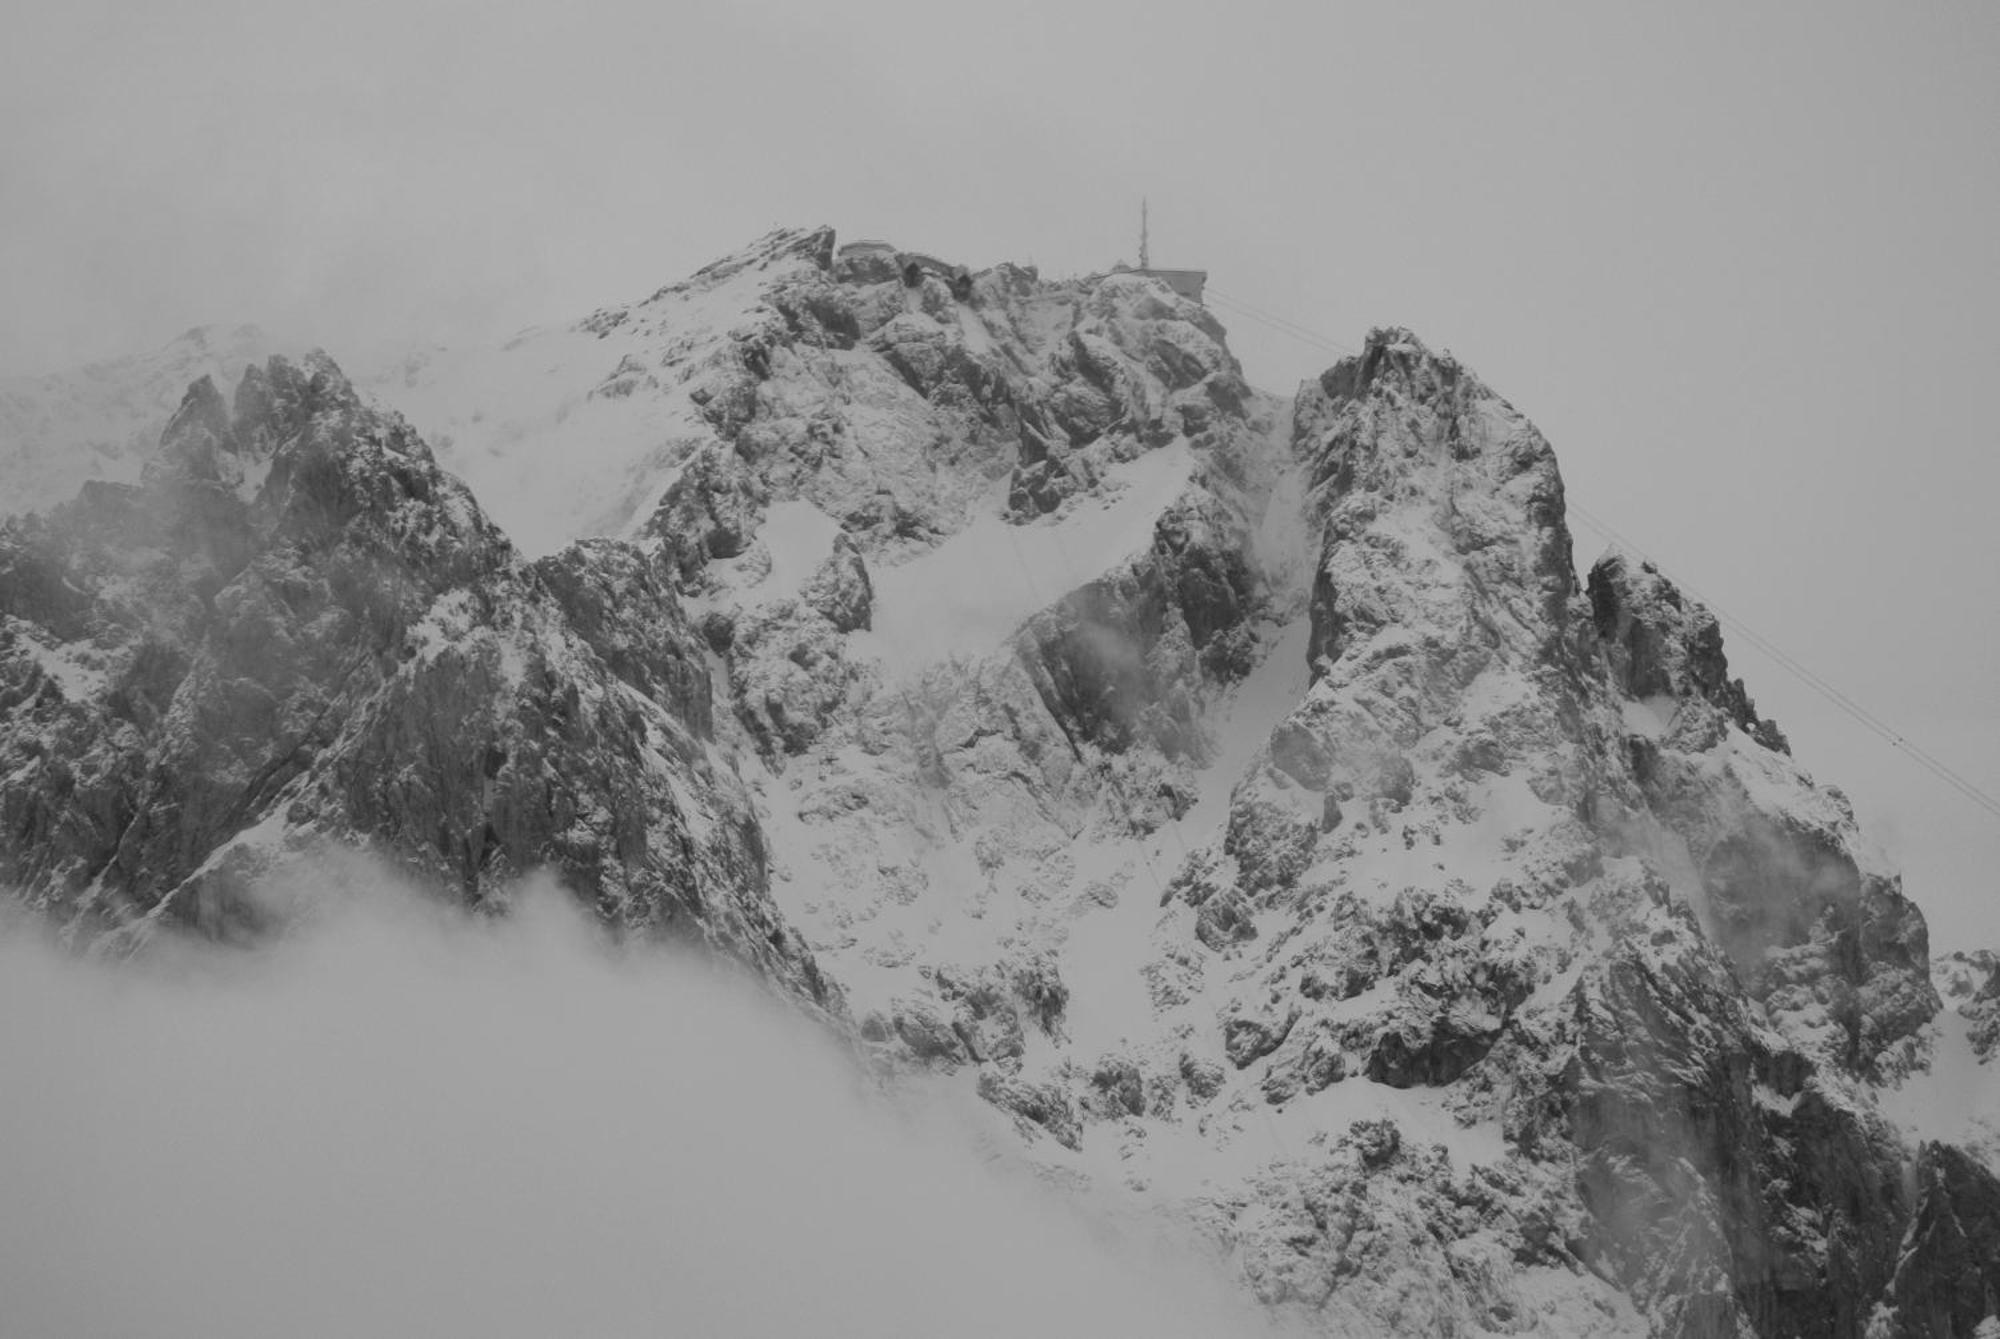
x,y
1868,720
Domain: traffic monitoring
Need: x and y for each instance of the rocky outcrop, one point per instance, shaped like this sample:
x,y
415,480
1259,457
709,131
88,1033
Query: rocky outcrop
x,y
1947,1279
1034,1106
353,652
789,674
252,626
616,599
1815,937
1046,384
1662,645
101,423
840,590
1131,656
1728,1182
1969,985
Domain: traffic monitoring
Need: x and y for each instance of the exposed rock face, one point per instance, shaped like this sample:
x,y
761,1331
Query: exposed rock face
x,y
1944,1281
1582,888
1248,802
840,590
1129,657
1660,645
352,651
1970,985
892,409
1810,930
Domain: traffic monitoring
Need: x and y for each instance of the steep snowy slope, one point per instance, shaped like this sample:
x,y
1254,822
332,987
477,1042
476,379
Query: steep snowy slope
x,y
1247,799
570,432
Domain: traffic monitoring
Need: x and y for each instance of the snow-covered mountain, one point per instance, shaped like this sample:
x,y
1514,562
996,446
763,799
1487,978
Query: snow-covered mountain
x,y
1246,797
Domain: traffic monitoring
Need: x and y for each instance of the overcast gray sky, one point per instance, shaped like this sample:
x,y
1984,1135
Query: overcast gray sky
x,y
1738,262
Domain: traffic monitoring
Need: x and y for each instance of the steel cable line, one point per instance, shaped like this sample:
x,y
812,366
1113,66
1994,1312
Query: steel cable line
x,y
1863,717
1275,322
1867,719
1251,309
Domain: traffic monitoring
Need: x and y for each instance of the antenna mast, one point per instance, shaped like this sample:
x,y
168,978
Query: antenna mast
x,y
1145,259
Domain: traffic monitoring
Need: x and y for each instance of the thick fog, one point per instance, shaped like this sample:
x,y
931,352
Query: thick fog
x,y
404,1121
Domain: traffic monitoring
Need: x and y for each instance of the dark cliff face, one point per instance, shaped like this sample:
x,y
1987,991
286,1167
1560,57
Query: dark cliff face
x,y
1659,644
1801,921
299,629
223,629
1128,657
1946,1279
1728,1181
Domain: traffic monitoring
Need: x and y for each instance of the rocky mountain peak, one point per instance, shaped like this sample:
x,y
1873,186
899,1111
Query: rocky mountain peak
x,y
280,398
1442,505
1244,800
104,421
199,441
228,441
352,654
1392,353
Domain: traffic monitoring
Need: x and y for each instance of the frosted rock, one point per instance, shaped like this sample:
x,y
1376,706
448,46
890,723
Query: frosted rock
x,y
840,590
979,658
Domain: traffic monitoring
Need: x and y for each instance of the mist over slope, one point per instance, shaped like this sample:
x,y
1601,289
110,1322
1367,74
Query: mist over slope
x,y
1245,802
398,1119
103,420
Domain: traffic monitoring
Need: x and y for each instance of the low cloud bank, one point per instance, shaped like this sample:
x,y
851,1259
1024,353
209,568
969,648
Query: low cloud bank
x,y
401,1121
